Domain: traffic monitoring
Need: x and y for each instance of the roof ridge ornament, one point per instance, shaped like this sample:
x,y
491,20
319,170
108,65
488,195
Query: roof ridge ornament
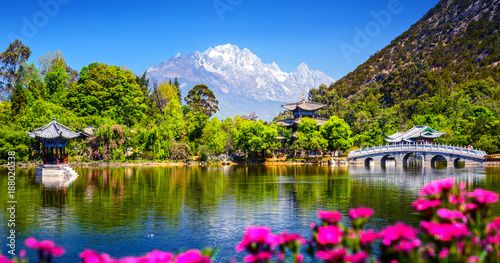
x,y
53,117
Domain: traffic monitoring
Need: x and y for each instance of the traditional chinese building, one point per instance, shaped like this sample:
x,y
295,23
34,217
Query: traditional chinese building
x,y
52,140
417,134
299,110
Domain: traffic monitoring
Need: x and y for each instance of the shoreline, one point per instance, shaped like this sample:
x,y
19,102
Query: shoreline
x,y
343,163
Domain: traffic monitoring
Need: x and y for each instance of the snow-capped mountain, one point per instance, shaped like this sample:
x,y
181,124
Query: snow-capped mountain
x,y
241,82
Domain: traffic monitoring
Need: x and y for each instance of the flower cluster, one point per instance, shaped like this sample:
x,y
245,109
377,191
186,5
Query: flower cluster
x,y
262,245
333,242
454,228
47,249
455,223
190,256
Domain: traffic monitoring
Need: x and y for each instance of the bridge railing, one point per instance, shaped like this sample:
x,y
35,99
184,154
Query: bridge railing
x,y
424,147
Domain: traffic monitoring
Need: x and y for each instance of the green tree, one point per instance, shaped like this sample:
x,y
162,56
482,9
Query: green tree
x,y
11,61
107,91
214,136
308,136
33,82
173,112
50,59
338,134
255,136
201,98
19,101
56,81
178,87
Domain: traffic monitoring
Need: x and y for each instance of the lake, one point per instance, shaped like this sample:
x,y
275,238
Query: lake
x,y
134,210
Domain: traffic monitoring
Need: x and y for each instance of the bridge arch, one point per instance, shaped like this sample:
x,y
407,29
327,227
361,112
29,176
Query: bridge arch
x,y
459,163
412,158
369,161
437,158
386,158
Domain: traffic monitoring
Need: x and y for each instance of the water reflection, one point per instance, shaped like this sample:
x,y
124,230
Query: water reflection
x,y
117,210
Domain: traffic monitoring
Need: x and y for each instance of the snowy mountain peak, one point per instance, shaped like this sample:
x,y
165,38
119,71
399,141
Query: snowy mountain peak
x,y
239,79
302,67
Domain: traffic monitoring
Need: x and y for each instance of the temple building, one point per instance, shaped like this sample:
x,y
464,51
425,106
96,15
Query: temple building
x,y
52,140
299,110
417,134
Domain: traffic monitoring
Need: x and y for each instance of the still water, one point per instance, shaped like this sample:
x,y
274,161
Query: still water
x,y
131,211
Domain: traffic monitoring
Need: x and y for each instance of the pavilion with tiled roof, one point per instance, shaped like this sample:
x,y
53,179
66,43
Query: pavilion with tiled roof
x,y
54,137
299,110
419,134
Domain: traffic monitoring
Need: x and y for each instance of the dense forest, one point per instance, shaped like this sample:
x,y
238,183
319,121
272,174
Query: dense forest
x,y
443,72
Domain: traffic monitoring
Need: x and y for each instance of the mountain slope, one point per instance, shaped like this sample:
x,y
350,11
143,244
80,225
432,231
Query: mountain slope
x,y
240,80
457,36
443,72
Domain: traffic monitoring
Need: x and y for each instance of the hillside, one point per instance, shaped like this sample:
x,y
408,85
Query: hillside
x,y
443,71
457,36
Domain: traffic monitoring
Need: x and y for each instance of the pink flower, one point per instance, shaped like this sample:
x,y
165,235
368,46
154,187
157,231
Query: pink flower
x,y
450,215
192,256
494,231
453,199
335,255
22,253
445,232
299,257
436,187
484,197
444,253
360,212
259,257
473,259
290,238
367,237
4,259
90,256
46,247
397,232
281,256
407,245
469,206
157,256
329,235
423,204
330,216
132,260
359,257
258,235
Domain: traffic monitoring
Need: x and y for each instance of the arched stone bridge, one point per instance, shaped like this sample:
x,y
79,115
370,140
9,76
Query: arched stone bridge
x,y
429,154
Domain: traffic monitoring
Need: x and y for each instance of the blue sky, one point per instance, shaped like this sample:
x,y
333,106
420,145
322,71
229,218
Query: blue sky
x,y
323,34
